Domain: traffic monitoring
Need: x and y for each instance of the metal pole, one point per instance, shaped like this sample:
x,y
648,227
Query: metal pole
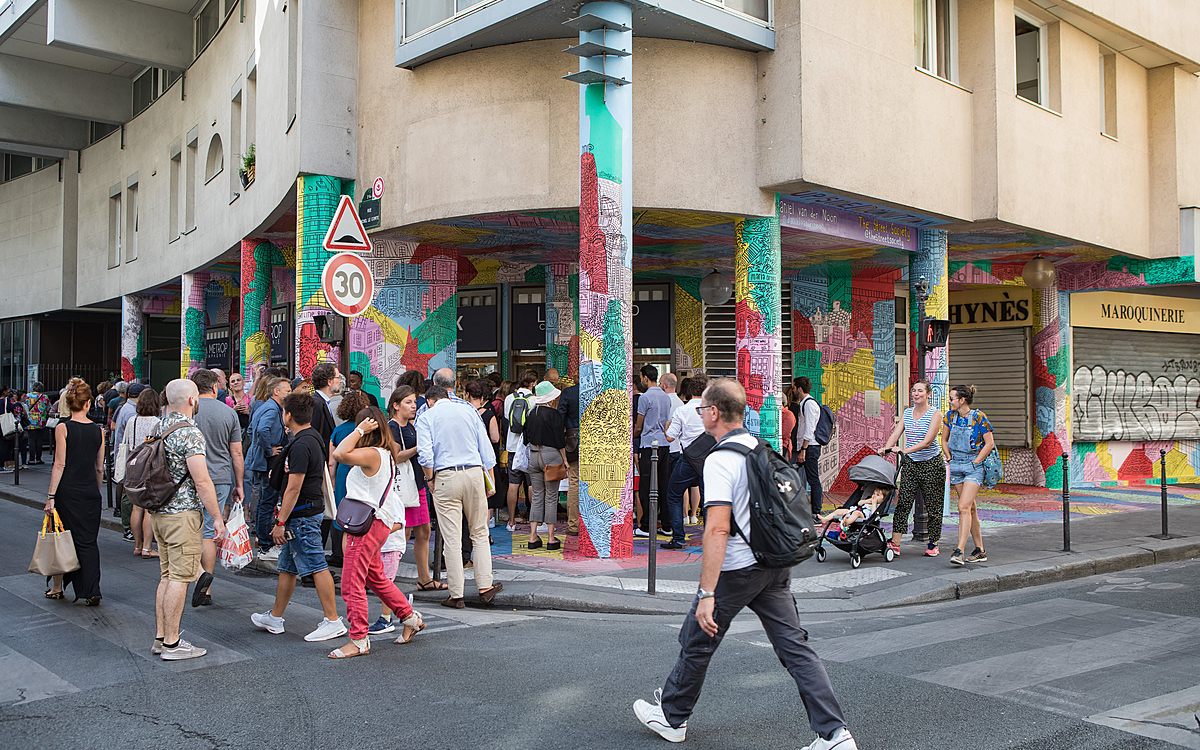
x,y
920,516
652,520
110,462
1162,473
1066,493
437,550
17,457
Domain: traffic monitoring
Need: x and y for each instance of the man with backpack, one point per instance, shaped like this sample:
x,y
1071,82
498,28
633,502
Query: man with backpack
x,y
517,406
736,573
809,449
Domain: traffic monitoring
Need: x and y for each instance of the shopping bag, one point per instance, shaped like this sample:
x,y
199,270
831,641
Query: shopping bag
x,y
521,461
404,484
54,552
235,547
8,423
328,495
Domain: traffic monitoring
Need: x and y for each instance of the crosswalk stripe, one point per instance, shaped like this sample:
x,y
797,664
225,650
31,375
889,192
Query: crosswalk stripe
x,y
878,643
1002,674
1170,718
23,680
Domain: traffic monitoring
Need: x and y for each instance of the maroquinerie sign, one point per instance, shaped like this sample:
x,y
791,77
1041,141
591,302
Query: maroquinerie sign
x,y
1135,312
992,307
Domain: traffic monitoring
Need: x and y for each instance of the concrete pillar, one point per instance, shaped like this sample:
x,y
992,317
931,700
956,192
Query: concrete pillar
x,y
192,322
317,198
605,297
1051,385
759,345
562,318
259,257
931,262
132,340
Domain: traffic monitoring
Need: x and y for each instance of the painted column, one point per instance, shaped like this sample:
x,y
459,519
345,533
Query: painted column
x,y
606,295
759,346
317,198
1051,388
561,318
259,257
192,323
132,340
931,262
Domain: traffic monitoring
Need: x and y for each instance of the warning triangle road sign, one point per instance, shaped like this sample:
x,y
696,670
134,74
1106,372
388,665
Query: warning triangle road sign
x,y
347,231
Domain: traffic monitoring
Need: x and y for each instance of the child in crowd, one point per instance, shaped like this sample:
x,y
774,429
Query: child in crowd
x,y
849,516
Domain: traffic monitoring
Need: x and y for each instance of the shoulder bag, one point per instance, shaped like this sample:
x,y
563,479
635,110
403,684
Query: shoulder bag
x,y
123,451
356,516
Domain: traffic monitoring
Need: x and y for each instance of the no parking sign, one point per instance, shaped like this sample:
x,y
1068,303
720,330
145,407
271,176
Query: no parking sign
x,y
347,284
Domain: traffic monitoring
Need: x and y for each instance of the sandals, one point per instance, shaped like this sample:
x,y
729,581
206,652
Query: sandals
x,y
431,585
149,553
52,594
412,625
362,650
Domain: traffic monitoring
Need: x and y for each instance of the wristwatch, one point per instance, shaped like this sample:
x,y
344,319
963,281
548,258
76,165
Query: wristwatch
x,y
702,594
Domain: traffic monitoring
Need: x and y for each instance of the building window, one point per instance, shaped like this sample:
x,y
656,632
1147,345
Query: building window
x,y
99,130
145,90
189,190
131,222
235,140
759,9
114,227
173,209
207,23
215,161
935,37
1108,94
1031,60
293,54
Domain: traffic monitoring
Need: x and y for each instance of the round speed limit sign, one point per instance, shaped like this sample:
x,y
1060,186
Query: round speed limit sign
x,y
347,284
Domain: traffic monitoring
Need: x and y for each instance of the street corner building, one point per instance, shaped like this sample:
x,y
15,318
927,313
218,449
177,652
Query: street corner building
x,y
599,186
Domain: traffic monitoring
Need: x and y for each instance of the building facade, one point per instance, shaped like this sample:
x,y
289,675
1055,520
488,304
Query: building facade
x,y
823,156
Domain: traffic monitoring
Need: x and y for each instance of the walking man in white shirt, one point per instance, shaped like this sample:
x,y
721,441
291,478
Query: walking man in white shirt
x,y
730,580
809,452
684,426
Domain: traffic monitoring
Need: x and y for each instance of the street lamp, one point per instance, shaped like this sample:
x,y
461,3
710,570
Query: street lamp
x,y
715,288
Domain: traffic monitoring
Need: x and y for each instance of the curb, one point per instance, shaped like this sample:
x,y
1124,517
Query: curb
x,y
37,501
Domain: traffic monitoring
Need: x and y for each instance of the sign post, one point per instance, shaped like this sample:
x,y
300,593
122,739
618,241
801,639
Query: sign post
x,y
347,284
346,232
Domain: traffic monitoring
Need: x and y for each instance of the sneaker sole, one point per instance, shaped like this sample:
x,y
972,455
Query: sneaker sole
x,y
953,561
272,629
655,726
330,637
195,653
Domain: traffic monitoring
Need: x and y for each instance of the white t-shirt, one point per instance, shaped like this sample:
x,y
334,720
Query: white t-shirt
x,y
686,425
370,488
514,439
725,484
676,402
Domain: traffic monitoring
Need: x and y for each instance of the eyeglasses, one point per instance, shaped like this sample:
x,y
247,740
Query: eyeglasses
x,y
700,409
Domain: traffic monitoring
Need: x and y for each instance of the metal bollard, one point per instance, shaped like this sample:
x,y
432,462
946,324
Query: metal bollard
x,y
1162,478
437,555
111,463
17,458
652,520
1066,493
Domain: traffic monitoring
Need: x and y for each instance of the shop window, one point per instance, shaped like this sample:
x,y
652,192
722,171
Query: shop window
x,y
1032,60
216,159
935,37
1108,94
114,227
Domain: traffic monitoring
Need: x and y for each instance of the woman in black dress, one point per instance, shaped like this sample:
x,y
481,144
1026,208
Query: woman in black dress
x,y
75,492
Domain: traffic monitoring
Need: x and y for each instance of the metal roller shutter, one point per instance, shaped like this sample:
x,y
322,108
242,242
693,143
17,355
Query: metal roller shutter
x,y
720,337
996,362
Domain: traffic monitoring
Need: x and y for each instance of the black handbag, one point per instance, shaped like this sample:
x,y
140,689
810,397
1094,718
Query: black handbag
x,y
356,516
698,450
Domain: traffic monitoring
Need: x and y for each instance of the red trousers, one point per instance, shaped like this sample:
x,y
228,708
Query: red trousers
x,y
362,567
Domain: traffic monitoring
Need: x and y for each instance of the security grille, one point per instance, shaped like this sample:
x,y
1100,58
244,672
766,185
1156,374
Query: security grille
x,y
720,338
996,362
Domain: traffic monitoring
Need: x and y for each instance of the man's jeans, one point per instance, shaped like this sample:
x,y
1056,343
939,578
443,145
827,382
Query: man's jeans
x,y
765,591
683,476
264,514
812,472
664,478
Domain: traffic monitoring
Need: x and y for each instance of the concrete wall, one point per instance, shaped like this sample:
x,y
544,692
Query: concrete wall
x,y
31,243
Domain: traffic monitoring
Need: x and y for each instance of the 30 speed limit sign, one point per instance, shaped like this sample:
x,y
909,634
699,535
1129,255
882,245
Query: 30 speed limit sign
x,y
347,284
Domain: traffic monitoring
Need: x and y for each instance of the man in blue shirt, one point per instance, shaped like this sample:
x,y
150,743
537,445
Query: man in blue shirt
x,y
267,438
455,453
653,411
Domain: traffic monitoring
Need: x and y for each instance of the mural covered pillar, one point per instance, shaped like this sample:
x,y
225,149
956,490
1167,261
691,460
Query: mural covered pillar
x,y
931,261
759,346
132,336
1051,384
606,293
317,198
562,318
259,257
192,322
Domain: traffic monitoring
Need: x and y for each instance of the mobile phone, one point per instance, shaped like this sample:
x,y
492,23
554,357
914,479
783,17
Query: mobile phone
x,y
289,535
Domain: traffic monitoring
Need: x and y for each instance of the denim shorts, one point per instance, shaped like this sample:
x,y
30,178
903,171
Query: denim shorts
x,y
966,471
305,554
223,493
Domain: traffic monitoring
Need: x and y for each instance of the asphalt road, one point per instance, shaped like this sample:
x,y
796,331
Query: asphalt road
x,y
1105,662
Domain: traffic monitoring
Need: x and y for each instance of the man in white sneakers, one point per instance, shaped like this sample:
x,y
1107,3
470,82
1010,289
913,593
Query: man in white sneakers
x,y
731,579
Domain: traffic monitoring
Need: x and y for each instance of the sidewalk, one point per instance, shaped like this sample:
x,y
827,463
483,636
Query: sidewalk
x,y
1110,532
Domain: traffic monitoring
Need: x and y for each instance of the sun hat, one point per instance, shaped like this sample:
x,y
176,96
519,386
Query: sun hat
x,y
545,392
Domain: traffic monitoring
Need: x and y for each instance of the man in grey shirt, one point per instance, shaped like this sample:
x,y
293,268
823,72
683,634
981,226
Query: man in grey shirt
x,y
223,437
653,411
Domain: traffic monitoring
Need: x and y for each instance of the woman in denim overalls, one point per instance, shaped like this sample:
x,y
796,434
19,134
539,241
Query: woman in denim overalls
x,y
966,440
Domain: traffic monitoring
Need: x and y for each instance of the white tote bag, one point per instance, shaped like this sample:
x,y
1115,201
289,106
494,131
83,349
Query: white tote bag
x,y
123,451
404,484
8,423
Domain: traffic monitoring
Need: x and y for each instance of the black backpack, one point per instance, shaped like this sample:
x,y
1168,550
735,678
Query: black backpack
x,y
781,524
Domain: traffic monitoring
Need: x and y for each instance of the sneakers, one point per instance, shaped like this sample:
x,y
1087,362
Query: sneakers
x,y
267,622
181,650
491,523
271,554
977,556
931,550
639,532
128,536
956,558
651,716
326,630
157,647
543,529
510,527
381,626
670,545
895,548
841,740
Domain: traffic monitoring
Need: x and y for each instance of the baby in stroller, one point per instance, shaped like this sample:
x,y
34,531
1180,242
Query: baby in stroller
x,y
847,517
858,530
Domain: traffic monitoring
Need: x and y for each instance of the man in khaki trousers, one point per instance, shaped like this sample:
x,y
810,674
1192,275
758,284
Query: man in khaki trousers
x,y
456,455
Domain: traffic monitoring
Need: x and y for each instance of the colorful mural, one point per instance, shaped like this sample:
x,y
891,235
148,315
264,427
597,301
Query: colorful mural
x,y
758,343
317,199
209,300
562,318
689,324
259,259
132,341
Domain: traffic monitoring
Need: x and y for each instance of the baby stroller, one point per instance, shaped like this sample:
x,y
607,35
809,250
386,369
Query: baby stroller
x,y
865,536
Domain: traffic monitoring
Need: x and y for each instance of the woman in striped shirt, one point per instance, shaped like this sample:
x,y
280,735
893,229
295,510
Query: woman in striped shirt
x,y
925,469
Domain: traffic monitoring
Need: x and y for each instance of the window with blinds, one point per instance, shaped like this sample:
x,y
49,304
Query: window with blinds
x,y
720,338
996,362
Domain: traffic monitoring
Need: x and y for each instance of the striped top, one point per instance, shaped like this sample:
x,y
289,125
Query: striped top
x,y
915,431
